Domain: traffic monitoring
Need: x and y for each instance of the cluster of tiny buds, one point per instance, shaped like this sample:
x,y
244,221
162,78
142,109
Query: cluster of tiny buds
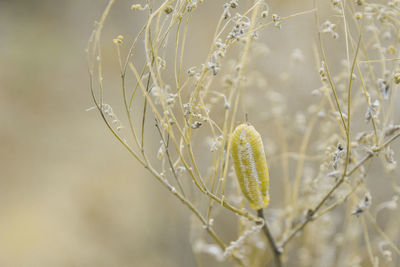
x,y
108,111
390,162
336,3
213,64
227,6
358,15
191,71
136,7
364,137
171,99
234,245
363,205
242,23
196,114
338,155
391,50
372,111
118,40
216,143
161,150
277,20
168,9
196,124
384,87
187,107
209,224
193,5
264,14
322,72
161,63
234,3
329,27
221,48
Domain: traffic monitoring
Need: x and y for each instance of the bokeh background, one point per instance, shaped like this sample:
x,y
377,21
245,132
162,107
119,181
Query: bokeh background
x,y
70,195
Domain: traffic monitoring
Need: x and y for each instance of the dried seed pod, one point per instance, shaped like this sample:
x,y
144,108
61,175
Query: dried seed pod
x,y
250,165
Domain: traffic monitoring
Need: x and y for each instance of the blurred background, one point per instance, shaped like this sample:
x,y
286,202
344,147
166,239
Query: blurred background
x,y
70,195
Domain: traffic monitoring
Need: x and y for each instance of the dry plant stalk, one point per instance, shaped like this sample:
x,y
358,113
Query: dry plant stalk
x,y
352,121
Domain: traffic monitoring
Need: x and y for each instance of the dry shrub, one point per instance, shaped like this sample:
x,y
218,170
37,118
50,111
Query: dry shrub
x,y
319,82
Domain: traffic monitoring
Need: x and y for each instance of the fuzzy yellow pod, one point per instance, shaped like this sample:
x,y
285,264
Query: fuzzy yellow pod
x,y
250,165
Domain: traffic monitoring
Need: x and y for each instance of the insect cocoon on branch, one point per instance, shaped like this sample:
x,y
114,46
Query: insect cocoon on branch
x,y
250,165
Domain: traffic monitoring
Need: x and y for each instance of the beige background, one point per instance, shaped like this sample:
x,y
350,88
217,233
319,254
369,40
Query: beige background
x,y
70,195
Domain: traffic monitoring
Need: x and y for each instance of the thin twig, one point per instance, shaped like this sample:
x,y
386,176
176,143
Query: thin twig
x,y
277,251
173,170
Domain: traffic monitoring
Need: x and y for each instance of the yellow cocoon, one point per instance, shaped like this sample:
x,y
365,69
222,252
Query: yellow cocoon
x,y
250,165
